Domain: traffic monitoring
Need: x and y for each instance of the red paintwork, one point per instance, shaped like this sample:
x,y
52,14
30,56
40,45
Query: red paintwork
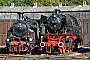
x,y
55,41
19,44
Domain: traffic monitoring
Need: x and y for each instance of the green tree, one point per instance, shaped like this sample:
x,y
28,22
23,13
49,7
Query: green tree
x,y
42,2
88,2
5,2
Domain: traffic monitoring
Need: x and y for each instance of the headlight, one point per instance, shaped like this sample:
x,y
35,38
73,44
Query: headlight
x,y
42,44
28,43
67,37
10,43
8,40
41,36
30,39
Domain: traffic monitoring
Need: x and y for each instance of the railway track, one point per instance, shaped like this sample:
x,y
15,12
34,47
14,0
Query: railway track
x,y
66,56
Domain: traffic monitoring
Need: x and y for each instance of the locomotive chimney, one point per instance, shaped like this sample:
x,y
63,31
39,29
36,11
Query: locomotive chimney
x,y
20,15
57,11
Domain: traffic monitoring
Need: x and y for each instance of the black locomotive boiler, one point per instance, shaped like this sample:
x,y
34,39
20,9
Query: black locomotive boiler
x,y
22,36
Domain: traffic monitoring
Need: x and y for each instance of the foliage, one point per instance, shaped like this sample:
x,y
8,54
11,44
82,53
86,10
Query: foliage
x,y
42,2
5,2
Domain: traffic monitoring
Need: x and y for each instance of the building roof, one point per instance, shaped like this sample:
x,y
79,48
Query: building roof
x,y
44,8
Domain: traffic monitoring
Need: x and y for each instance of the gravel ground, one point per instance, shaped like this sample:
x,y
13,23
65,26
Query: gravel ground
x,y
67,56
4,54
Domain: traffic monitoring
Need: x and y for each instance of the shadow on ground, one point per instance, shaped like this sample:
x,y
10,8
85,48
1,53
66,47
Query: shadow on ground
x,y
4,51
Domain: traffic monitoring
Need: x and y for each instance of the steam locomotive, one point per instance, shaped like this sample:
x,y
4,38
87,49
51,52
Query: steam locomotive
x,y
59,33
22,36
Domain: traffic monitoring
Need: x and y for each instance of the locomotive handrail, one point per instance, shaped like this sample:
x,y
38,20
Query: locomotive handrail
x,y
19,37
56,34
